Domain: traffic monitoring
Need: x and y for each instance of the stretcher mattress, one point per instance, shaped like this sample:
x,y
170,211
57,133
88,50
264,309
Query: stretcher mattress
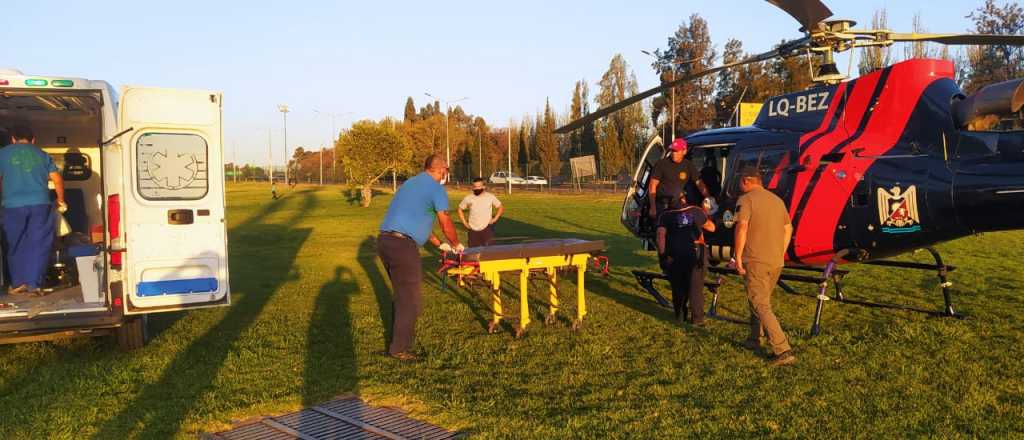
x,y
541,248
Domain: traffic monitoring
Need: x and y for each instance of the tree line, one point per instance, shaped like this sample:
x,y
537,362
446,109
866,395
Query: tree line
x,y
372,150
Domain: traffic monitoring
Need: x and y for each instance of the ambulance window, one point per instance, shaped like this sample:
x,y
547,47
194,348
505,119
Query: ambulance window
x,y
171,166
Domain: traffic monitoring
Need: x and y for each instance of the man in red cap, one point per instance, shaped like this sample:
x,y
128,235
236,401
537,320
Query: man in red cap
x,y
670,177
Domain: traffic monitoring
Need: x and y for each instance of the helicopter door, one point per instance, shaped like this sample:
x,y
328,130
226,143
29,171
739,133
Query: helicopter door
x,y
634,207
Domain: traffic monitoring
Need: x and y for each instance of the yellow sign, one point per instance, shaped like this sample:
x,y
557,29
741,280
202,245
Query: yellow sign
x,y
748,112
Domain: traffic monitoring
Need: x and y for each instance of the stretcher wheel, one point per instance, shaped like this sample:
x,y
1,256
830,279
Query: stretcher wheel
x,y
520,332
492,328
550,319
577,325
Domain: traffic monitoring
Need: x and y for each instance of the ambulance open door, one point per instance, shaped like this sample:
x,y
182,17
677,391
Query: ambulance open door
x,y
172,203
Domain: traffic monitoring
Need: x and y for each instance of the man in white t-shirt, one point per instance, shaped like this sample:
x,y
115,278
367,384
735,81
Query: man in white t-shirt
x,y
480,224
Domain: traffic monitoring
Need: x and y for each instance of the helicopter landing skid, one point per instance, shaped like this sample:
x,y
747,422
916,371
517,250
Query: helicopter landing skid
x,y
941,269
646,280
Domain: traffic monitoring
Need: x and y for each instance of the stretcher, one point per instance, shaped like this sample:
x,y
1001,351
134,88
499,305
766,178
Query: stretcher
x,y
544,259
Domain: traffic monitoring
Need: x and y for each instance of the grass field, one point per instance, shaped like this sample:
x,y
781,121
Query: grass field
x,y
309,298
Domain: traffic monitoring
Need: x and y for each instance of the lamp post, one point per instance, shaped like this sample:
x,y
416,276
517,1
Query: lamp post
x,y
283,108
447,115
334,138
672,91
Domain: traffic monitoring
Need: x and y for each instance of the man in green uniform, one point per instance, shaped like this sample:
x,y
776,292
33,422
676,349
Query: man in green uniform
x,y
762,235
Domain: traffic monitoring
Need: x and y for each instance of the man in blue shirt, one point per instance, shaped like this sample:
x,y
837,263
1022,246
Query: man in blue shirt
x,y
407,225
29,218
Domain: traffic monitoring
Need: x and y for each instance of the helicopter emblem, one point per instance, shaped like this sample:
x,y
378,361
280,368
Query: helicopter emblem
x,y
897,210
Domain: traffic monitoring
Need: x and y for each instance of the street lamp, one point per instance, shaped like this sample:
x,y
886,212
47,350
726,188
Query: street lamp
x,y
283,108
447,114
672,91
334,140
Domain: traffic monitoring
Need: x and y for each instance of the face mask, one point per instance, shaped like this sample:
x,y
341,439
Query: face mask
x,y
478,191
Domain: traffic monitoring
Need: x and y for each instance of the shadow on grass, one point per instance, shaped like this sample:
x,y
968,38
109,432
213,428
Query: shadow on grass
x,y
331,353
367,258
159,409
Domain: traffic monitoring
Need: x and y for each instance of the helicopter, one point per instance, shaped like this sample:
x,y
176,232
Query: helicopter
x,y
890,162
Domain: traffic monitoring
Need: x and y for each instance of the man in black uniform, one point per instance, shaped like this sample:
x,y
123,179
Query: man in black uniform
x,y
669,179
681,247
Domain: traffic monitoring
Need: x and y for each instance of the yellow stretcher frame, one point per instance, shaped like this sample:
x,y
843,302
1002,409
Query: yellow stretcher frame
x,y
490,271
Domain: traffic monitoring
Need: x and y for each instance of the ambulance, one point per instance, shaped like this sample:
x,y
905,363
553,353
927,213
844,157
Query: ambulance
x,y
144,183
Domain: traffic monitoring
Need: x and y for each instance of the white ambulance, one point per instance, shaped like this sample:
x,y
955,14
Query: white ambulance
x,y
145,230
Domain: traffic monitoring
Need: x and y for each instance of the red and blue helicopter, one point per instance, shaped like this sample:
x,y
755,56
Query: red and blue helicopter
x,y
890,162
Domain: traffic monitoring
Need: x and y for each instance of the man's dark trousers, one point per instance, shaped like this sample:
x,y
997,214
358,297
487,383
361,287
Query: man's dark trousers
x,y
401,258
687,279
30,232
481,238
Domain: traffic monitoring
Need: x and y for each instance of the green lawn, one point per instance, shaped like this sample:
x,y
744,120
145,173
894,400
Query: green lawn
x,y
309,297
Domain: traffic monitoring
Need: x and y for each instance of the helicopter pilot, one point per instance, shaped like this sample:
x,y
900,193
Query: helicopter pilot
x,y
670,178
680,240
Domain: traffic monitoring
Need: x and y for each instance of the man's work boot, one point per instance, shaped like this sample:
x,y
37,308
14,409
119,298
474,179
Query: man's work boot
x,y
785,358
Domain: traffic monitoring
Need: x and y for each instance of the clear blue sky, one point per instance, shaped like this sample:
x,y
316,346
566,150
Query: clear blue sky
x,y
367,57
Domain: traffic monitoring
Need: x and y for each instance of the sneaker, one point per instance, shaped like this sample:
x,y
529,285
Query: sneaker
x,y
22,289
405,356
785,358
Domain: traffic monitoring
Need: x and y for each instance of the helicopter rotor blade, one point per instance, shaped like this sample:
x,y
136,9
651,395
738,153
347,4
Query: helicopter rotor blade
x,y
808,12
979,39
784,50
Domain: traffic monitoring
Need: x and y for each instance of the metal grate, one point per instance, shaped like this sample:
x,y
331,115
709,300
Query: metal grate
x,y
348,418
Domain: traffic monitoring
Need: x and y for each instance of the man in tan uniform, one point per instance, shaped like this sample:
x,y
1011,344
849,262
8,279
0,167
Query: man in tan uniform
x,y
763,231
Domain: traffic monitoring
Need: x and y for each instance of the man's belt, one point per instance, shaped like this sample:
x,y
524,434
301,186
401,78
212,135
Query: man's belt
x,y
395,234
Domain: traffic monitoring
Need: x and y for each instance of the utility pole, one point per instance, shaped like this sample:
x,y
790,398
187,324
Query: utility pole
x,y
508,178
447,116
283,108
270,158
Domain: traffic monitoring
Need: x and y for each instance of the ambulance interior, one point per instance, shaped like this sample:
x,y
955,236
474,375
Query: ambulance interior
x,y
68,127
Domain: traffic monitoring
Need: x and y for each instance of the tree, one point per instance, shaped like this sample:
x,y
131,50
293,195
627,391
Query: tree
x,y
547,143
410,110
875,57
371,150
995,63
729,90
921,49
620,134
690,51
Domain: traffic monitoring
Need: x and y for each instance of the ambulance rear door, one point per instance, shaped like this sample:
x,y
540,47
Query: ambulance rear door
x,y
175,237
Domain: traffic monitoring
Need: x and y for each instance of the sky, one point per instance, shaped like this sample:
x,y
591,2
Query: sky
x,y
362,60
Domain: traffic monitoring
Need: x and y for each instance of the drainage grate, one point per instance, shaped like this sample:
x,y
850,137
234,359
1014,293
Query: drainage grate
x,y
348,418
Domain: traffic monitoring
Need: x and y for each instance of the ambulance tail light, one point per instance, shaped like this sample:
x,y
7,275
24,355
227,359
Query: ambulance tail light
x,y
114,226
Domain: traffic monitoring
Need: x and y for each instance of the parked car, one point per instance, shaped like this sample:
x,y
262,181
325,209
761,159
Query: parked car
x,y
536,180
503,176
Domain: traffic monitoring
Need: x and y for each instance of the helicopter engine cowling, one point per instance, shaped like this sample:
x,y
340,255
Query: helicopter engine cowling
x,y
994,99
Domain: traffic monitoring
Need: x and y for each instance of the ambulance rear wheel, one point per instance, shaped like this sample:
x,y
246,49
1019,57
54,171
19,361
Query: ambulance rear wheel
x,y
132,334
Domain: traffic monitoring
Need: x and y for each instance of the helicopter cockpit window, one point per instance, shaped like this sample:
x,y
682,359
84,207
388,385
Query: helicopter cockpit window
x,y
771,162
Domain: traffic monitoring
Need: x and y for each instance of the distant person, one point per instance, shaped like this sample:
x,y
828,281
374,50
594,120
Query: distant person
x,y
762,233
273,190
680,240
29,218
482,217
408,225
670,177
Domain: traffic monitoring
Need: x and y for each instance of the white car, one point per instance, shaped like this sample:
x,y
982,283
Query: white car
x,y
536,180
503,177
